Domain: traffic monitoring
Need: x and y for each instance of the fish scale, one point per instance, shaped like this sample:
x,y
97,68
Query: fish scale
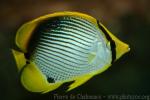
x,y
54,33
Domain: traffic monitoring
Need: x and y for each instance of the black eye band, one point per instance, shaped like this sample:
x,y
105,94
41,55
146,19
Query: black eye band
x,y
112,43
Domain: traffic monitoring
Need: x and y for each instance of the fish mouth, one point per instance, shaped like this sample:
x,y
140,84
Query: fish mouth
x,y
128,49
121,49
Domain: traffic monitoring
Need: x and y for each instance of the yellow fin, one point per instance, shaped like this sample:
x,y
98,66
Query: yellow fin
x,y
20,59
65,13
24,34
79,81
82,79
34,81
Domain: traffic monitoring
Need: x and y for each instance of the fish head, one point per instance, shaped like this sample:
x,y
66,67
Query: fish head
x,y
119,46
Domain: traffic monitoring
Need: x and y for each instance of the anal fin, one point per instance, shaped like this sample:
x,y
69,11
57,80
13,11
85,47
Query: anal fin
x,y
33,80
79,81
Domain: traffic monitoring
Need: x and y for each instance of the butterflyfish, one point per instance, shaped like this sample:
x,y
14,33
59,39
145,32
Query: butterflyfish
x,y
64,47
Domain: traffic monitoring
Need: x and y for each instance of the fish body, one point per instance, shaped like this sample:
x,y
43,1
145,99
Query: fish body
x,y
64,47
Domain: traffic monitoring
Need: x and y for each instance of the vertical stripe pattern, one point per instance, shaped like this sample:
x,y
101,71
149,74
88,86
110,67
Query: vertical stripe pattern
x,y
63,46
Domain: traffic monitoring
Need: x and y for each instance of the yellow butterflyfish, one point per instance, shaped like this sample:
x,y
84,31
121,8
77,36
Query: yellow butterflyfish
x,y
64,47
